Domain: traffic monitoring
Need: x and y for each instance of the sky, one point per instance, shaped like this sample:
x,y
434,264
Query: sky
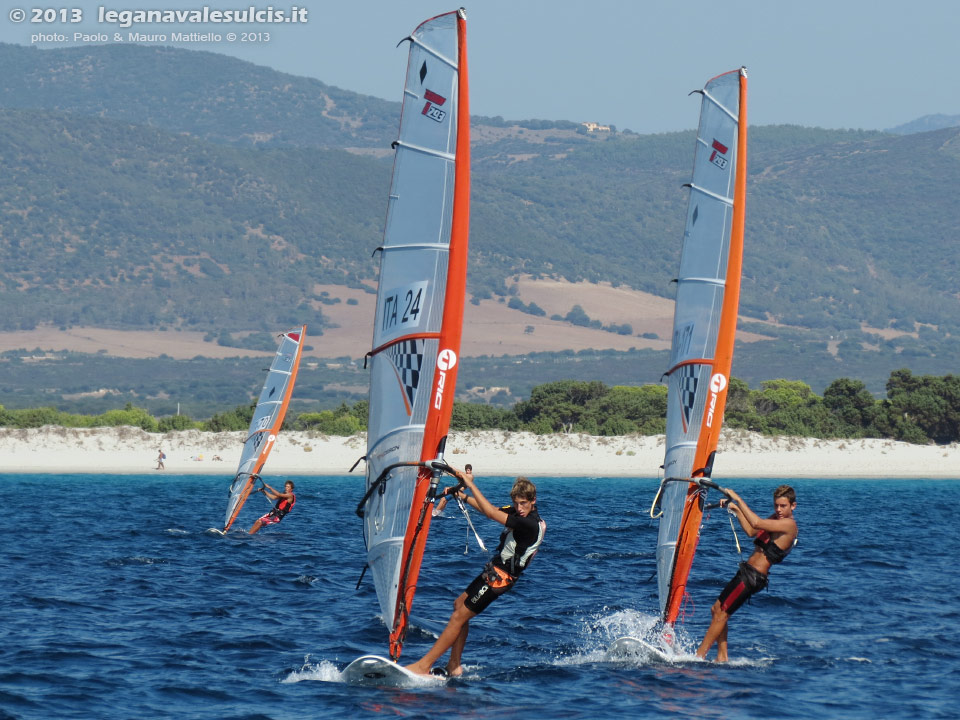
x,y
870,64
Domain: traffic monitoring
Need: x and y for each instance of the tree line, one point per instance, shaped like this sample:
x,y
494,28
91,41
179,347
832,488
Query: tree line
x,y
917,409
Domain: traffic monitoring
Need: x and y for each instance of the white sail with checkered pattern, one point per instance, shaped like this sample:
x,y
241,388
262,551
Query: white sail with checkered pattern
x,y
416,337
708,287
267,419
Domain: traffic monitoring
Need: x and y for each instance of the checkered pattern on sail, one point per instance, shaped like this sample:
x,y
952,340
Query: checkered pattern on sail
x,y
687,385
407,358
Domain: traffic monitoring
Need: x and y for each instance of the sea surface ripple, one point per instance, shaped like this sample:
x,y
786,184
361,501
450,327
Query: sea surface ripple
x,y
117,604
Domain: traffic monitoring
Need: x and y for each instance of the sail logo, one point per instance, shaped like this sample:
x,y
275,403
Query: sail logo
x,y
446,360
432,108
718,156
717,385
380,455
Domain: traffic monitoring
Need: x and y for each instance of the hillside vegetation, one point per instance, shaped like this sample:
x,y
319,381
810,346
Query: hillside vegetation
x,y
917,409
150,187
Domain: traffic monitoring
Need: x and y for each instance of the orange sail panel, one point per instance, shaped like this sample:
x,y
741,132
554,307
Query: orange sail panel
x,y
267,419
420,300
704,328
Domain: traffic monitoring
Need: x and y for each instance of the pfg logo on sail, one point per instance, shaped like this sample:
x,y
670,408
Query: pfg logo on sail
x,y
717,385
446,360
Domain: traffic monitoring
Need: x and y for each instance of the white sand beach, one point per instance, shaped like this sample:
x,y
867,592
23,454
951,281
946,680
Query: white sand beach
x,y
128,450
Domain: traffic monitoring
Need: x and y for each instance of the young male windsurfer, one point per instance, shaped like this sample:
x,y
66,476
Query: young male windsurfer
x,y
519,542
775,536
285,502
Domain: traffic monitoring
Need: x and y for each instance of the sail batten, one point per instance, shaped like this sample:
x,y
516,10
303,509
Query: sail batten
x,y
425,151
720,106
402,339
417,246
388,434
419,315
435,53
267,420
721,198
702,280
705,319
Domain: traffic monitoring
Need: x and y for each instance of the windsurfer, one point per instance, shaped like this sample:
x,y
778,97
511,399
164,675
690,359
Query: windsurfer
x,y
285,502
775,537
521,537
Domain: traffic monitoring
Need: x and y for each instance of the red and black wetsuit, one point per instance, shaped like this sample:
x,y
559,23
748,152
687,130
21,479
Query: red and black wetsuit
x,y
282,507
748,579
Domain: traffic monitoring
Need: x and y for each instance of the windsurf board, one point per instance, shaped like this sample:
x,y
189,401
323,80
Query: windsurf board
x,y
378,671
635,648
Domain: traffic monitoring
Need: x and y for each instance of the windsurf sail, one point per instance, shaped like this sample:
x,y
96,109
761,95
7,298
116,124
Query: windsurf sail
x,y
416,337
704,325
267,419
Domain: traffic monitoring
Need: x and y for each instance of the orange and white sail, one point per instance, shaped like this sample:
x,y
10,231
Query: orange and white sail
x,y
704,325
416,338
267,419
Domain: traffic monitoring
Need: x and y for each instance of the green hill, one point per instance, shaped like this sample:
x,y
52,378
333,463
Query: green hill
x,y
148,187
203,94
117,225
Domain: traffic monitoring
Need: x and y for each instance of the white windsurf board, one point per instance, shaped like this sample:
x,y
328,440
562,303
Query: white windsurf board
x,y
378,671
631,648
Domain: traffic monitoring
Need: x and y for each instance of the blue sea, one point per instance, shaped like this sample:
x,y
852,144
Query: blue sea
x,y
117,604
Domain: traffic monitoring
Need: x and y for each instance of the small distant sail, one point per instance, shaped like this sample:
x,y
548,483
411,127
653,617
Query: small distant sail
x,y
267,419
704,325
416,338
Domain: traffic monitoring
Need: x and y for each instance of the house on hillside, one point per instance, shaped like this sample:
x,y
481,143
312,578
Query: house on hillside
x,y
594,127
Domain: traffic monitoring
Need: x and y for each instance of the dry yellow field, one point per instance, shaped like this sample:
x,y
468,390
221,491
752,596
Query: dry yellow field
x,y
490,328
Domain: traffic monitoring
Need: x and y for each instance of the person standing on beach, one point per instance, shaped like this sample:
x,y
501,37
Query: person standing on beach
x,y
519,542
775,538
438,510
160,458
285,502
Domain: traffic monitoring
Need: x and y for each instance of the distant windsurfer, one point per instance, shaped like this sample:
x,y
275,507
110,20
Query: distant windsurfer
x,y
285,502
775,536
519,542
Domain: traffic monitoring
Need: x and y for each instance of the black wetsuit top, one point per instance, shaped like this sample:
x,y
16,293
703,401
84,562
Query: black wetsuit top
x,y
773,552
519,541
